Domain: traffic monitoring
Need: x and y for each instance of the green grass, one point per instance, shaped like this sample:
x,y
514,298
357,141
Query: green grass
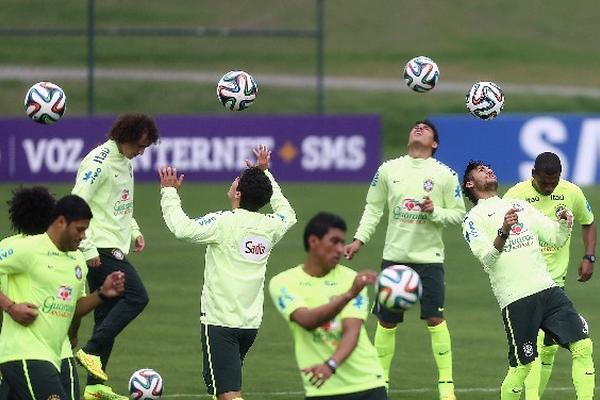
x,y
166,335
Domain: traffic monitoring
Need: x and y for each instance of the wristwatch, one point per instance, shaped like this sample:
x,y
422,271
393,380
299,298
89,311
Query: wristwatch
x,y
590,257
330,362
502,234
102,296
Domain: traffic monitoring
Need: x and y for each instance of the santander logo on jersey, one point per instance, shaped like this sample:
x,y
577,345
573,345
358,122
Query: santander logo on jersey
x,y
255,248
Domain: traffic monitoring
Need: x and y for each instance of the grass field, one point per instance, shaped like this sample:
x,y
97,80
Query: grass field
x,y
166,335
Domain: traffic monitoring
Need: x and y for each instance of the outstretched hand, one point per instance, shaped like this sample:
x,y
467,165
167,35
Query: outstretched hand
x,y
114,284
168,177
263,157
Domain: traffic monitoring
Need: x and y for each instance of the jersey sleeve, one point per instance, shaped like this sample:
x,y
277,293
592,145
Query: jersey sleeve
x,y
200,230
13,257
284,297
582,210
376,199
452,211
511,193
135,229
283,215
480,243
358,307
555,233
90,176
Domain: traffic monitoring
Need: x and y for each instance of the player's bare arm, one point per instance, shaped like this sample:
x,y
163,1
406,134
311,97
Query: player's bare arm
x,y
263,158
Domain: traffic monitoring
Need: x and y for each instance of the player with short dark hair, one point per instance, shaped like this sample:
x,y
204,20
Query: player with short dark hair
x,y
45,283
505,236
548,193
105,181
326,305
239,242
423,196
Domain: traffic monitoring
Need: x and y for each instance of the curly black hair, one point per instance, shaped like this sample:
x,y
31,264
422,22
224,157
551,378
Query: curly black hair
x,y
30,209
131,127
255,189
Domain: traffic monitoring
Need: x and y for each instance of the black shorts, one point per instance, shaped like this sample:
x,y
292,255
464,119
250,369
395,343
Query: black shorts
x,y
549,310
223,352
371,394
69,378
432,301
32,379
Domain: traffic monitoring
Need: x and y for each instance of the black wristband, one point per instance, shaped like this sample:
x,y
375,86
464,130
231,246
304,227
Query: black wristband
x,y
101,295
502,234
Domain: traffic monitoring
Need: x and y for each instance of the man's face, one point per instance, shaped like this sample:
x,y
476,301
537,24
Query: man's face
x,y
73,233
132,150
483,178
545,183
329,248
422,133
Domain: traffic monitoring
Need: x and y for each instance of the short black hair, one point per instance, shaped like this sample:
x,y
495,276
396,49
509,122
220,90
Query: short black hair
x,y
436,136
255,189
30,209
473,164
320,224
73,208
548,163
131,127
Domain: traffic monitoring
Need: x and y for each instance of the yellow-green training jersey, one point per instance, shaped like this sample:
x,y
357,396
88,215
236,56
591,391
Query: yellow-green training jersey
x,y
105,181
239,243
565,195
412,236
293,289
38,272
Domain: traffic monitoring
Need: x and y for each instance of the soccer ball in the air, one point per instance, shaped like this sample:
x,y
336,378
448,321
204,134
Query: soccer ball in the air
x,y
485,100
398,287
237,90
145,384
421,74
45,102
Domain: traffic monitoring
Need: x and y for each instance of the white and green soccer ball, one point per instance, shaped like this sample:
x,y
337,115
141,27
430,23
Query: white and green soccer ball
x,y
237,90
421,74
485,100
398,288
45,102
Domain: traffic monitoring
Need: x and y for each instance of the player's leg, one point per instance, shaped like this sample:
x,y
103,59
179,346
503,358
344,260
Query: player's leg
x,y
569,329
69,378
222,361
522,320
546,356
532,382
432,311
33,379
246,340
385,334
379,393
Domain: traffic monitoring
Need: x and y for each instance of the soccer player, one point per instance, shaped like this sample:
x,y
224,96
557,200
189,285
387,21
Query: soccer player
x,y
105,181
505,237
423,196
46,277
325,305
548,193
239,242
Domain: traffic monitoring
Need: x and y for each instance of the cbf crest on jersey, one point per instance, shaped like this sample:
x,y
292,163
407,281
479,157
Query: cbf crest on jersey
x,y
428,185
78,273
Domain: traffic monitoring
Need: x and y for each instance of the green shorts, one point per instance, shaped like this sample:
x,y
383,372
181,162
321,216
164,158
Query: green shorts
x,y
432,301
549,310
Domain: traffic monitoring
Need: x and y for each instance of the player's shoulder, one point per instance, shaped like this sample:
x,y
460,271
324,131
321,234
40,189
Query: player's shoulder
x,y
568,186
213,217
286,276
519,189
12,240
441,168
101,154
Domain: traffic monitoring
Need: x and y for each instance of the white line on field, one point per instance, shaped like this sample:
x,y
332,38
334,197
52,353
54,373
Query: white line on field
x,y
275,80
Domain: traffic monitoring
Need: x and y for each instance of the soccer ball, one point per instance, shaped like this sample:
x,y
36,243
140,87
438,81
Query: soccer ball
x,y
145,384
398,287
237,90
421,74
485,100
45,102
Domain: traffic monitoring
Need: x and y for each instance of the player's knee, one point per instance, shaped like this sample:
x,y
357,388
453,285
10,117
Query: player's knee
x,y
548,352
581,348
516,376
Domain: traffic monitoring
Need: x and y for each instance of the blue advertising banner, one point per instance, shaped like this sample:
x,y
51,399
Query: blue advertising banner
x,y
205,148
511,142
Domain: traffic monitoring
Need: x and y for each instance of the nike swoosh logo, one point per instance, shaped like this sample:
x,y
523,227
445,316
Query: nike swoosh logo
x,y
489,215
440,309
441,353
589,373
516,390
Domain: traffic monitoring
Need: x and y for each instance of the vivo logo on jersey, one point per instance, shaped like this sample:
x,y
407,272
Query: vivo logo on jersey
x,y
255,248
